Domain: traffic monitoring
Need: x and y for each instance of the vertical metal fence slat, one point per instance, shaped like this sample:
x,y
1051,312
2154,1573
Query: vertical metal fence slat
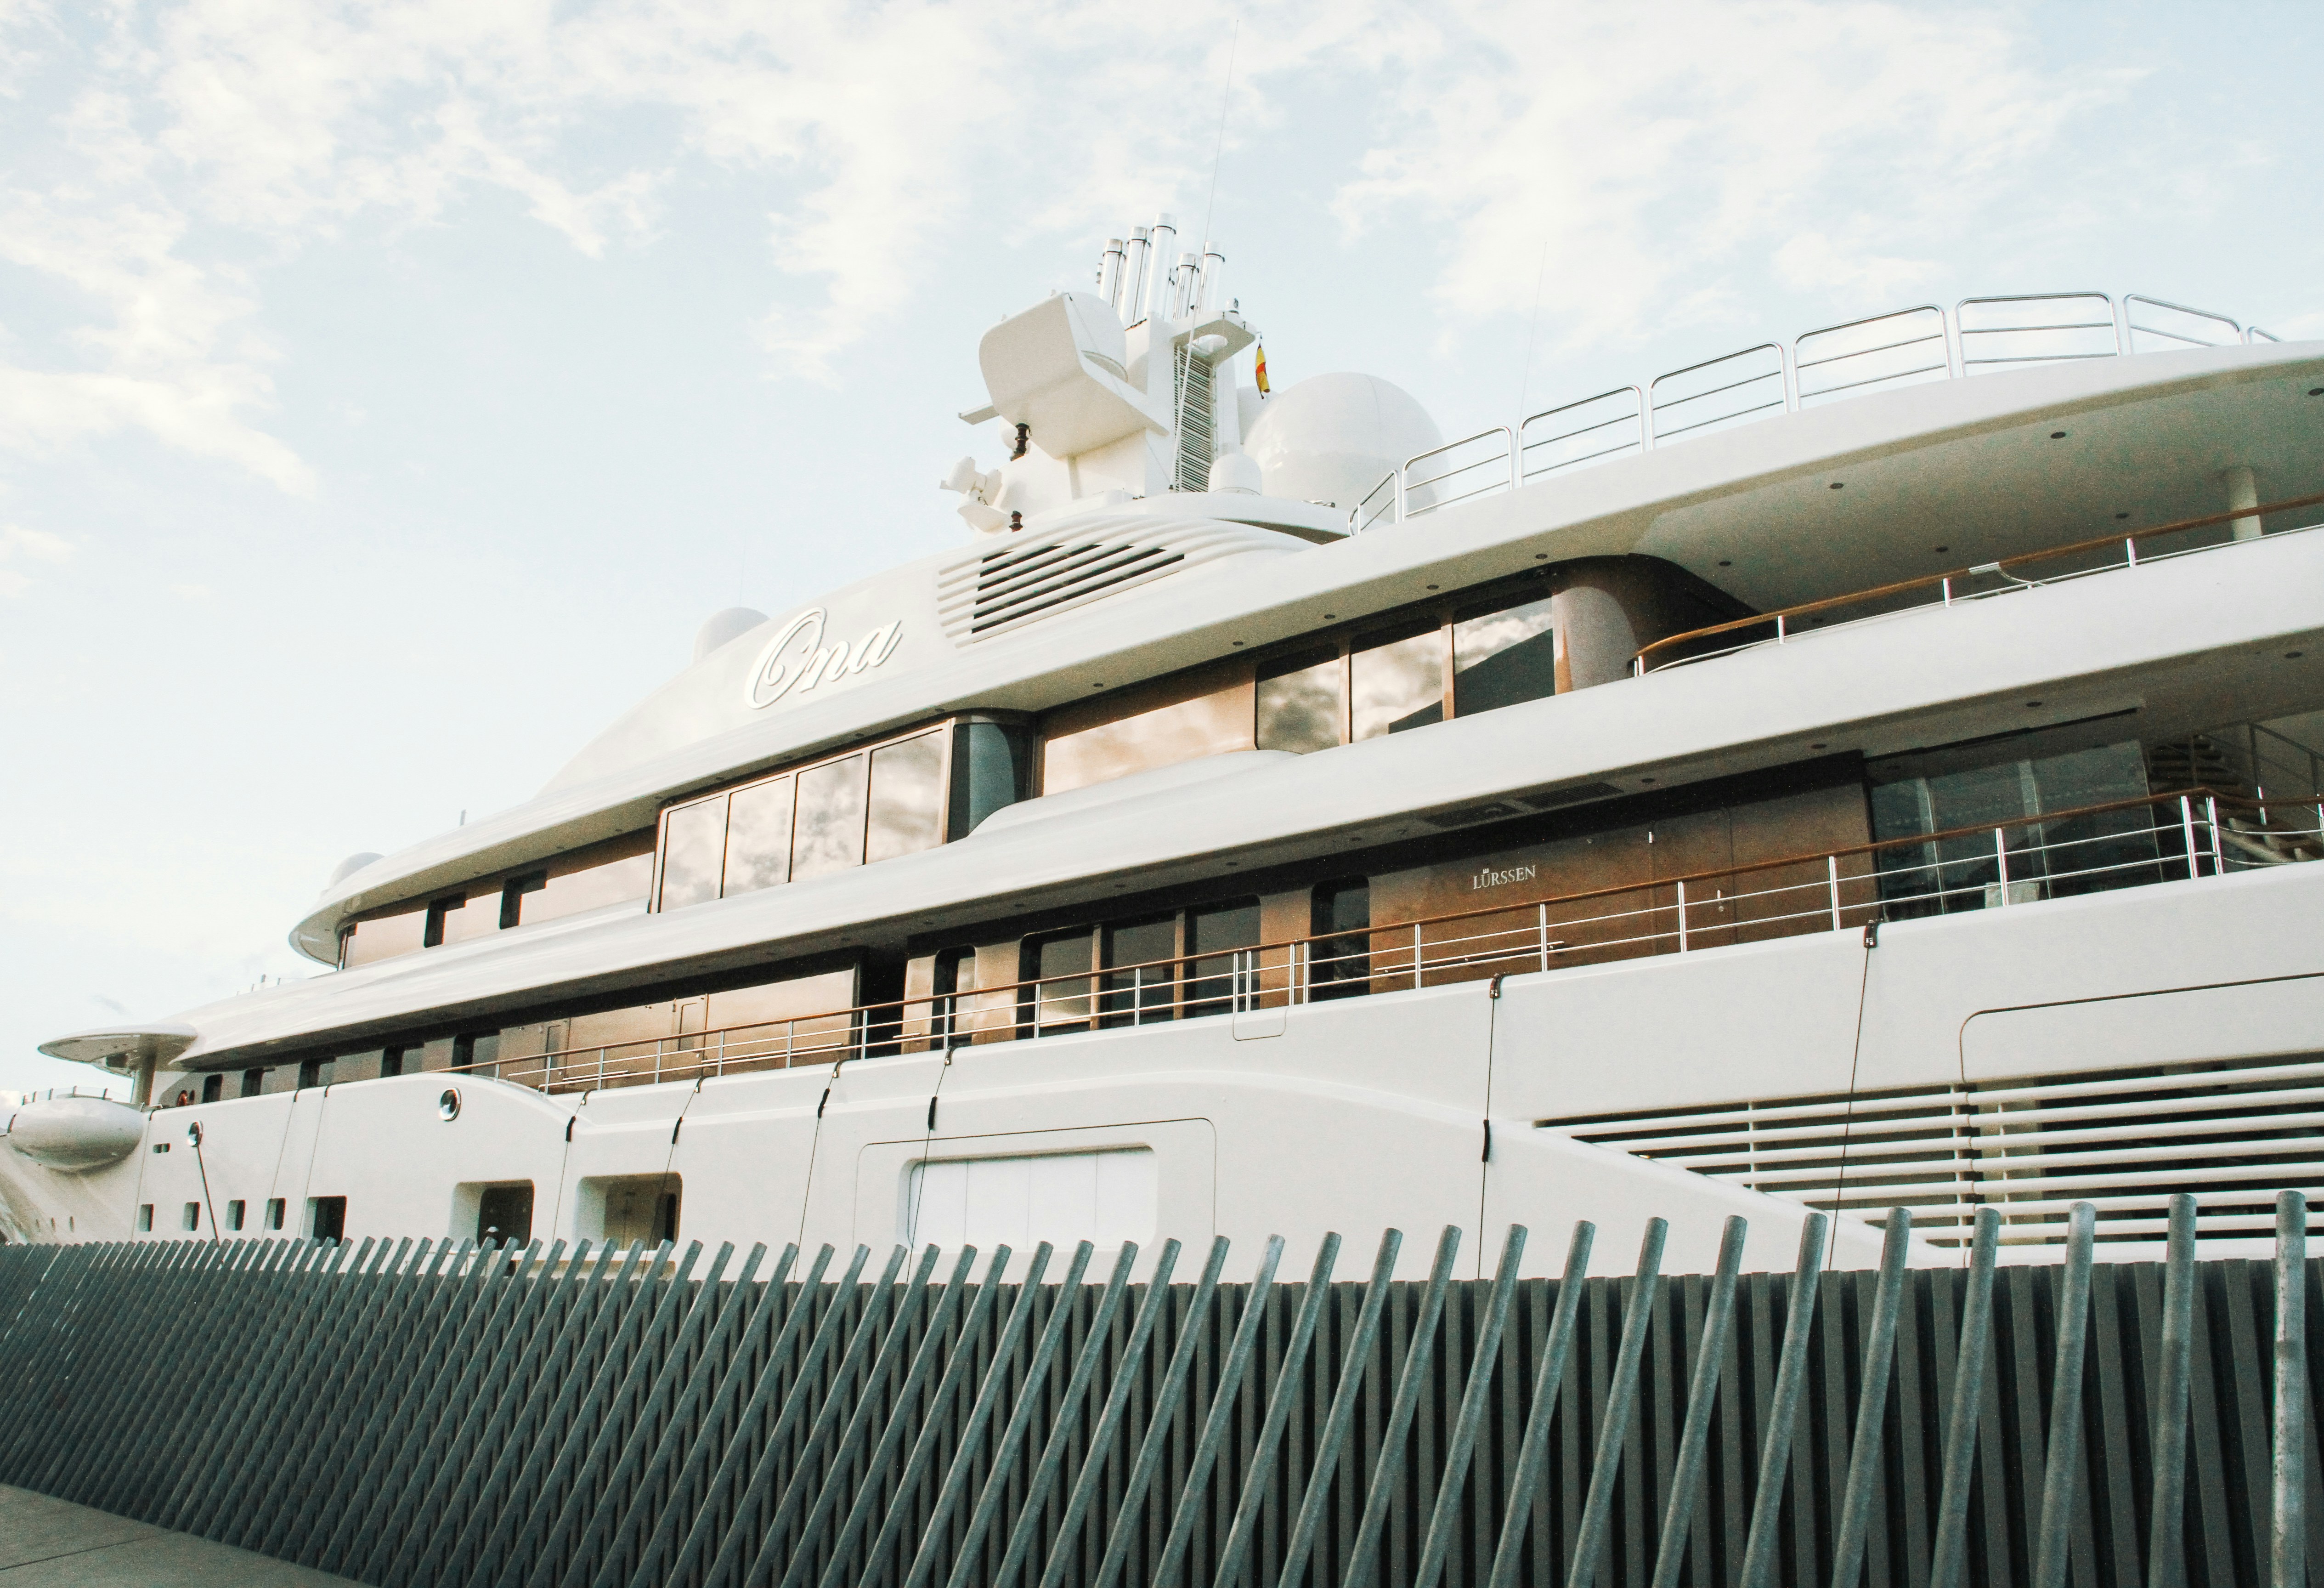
x,y
2288,1543
810,1476
1347,1398
1162,1414
2166,1547
747,1528
1702,1396
1760,1546
956,1478
684,1382
1864,1450
679,1539
1058,1447
928,1445
675,1317
1363,1559
2052,1555
1125,1391
881,1461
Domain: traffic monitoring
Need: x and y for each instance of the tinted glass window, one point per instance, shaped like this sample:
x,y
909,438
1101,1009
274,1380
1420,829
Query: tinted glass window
x,y
513,895
1397,684
906,796
1300,703
759,837
1500,658
1341,964
1062,1005
694,845
991,767
1215,975
1141,994
830,836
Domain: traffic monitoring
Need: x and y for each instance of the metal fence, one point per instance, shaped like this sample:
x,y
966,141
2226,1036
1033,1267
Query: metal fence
x,y
1975,336
593,1419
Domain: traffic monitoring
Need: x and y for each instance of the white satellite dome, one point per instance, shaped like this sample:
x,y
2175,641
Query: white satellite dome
x,y
1332,438
349,868
721,627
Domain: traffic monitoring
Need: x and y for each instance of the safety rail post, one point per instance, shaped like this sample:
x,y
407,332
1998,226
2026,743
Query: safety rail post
x,y
1542,929
1681,916
2218,852
2187,827
1832,875
2001,861
1779,628
1416,954
2289,1547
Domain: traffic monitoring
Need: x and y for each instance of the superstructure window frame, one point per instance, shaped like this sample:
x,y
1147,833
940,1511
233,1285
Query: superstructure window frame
x,y
872,830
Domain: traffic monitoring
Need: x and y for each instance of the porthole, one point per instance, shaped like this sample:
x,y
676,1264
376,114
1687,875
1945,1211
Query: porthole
x,y
447,1106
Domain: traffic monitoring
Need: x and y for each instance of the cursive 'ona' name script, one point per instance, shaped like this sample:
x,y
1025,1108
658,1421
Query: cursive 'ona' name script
x,y
796,659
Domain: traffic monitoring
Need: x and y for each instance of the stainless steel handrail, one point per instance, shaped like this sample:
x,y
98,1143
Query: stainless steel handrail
x,y
1831,890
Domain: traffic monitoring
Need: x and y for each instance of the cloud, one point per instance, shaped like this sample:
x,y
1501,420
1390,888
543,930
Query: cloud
x,y
21,545
1653,149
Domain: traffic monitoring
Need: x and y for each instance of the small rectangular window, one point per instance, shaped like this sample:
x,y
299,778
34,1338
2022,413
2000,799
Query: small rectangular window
x,y
191,1219
212,1088
235,1212
830,836
955,974
908,787
144,1217
327,1218
1394,682
1219,974
759,836
1302,702
390,1062
274,1211
513,893
1340,966
1141,991
504,1214
310,1073
1502,656
1060,966
254,1082
693,850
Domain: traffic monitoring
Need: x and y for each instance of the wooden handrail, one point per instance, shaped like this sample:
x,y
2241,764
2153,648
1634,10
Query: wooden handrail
x,y
1931,581
1097,973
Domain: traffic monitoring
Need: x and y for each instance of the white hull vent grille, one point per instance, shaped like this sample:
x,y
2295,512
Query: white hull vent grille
x,y
2232,1132
1028,579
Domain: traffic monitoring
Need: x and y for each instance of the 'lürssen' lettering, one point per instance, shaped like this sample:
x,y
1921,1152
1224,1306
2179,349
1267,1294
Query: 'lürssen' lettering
x,y
1490,878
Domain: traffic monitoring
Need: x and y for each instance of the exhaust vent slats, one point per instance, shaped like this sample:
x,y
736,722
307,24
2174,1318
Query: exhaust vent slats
x,y
2231,1131
1026,578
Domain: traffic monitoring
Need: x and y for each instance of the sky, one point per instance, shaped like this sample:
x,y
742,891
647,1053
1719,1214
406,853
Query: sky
x,y
387,391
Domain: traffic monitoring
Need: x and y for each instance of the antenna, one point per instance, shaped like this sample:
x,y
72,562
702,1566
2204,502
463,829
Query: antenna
x,y
1226,97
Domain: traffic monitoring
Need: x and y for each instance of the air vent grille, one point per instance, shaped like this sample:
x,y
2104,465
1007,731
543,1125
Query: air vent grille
x,y
1028,579
2231,1131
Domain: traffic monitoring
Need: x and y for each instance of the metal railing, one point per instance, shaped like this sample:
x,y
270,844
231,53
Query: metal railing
x,y
1954,587
1928,342
2121,844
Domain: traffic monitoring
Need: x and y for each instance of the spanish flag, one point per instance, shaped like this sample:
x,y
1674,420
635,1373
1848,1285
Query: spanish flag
x,y
1262,369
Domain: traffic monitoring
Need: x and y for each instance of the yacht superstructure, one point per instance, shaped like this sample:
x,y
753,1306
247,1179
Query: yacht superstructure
x,y
1871,769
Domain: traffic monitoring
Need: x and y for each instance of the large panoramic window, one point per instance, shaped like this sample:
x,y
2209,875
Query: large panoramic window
x,y
899,798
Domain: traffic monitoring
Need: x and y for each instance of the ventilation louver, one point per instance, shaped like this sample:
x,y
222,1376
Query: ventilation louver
x,y
1024,579
2230,1131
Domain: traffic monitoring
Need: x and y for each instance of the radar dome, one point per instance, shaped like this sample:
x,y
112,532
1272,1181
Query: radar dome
x,y
720,627
1333,438
349,868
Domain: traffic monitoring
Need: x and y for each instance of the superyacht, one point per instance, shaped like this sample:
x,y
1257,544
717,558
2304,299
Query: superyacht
x,y
1873,768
